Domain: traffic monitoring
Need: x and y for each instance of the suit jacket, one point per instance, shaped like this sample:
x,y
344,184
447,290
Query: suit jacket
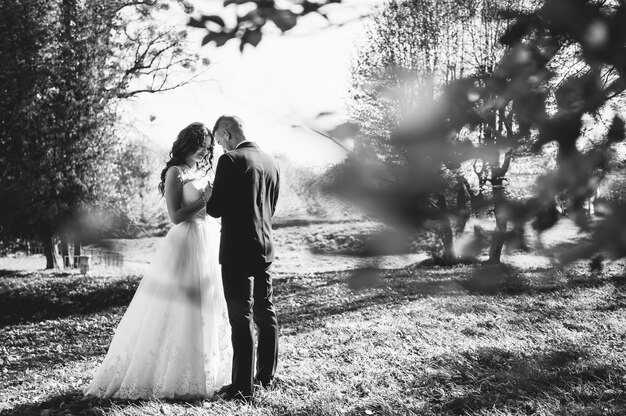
x,y
245,191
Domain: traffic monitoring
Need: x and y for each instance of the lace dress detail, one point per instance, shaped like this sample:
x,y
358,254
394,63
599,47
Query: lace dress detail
x,y
174,339
194,182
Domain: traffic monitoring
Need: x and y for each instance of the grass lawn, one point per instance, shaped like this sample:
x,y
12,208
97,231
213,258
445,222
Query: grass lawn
x,y
423,341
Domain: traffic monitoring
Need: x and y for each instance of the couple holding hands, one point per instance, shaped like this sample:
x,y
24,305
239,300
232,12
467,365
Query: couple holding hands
x,y
188,332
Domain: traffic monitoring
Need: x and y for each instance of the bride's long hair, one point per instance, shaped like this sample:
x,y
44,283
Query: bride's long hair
x,y
188,142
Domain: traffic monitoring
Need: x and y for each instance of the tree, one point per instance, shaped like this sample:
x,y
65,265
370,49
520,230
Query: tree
x,y
131,205
65,66
522,81
546,111
412,50
134,196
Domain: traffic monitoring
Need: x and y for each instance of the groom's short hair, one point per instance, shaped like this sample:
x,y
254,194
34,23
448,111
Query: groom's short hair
x,y
230,123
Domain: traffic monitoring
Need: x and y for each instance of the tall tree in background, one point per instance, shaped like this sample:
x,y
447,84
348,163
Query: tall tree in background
x,y
65,64
412,51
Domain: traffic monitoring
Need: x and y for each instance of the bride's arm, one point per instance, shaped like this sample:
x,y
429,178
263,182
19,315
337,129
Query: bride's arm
x,y
174,198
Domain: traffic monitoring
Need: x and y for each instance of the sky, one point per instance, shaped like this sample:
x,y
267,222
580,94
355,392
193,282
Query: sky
x,y
287,80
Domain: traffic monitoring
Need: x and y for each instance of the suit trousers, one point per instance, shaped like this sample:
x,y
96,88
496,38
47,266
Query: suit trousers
x,y
249,296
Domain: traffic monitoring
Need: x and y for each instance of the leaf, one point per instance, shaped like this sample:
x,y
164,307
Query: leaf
x,y
616,131
546,217
254,17
196,23
215,19
229,2
253,37
515,32
563,128
220,38
309,7
284,19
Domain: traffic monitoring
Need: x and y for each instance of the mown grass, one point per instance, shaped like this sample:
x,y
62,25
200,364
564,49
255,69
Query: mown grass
x,y
415,341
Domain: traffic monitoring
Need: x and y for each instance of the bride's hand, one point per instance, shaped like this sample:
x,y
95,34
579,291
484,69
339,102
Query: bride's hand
x,y
208,191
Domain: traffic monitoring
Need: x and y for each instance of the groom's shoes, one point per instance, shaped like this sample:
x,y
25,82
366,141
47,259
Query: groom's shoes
x,y
237,397
224,389
265,384
228,393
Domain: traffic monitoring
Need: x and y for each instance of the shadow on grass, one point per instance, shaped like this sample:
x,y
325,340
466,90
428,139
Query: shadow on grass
x,y
305,301
50,298
72,402
29,273
5,273
566,379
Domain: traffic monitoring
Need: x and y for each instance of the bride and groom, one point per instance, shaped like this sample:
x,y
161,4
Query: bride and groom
x,y
190,325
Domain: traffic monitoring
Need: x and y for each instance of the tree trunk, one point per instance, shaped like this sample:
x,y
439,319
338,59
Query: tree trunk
x,y
448,243
65,252
463,204
498,237
47,241
500,201
77,252
446,231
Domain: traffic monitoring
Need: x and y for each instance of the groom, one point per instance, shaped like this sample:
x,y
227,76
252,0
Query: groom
x,y
244,195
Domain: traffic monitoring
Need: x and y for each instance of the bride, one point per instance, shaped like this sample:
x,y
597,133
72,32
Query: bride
x,y
174,339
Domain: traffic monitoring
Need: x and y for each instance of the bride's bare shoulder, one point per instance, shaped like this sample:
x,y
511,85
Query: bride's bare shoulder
x,y
178,170
175,174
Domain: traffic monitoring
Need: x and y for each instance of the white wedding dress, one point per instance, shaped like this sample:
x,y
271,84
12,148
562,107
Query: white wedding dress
x,y
174,339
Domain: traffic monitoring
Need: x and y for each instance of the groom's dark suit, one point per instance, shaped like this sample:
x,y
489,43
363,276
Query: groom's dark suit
x,y
244,195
